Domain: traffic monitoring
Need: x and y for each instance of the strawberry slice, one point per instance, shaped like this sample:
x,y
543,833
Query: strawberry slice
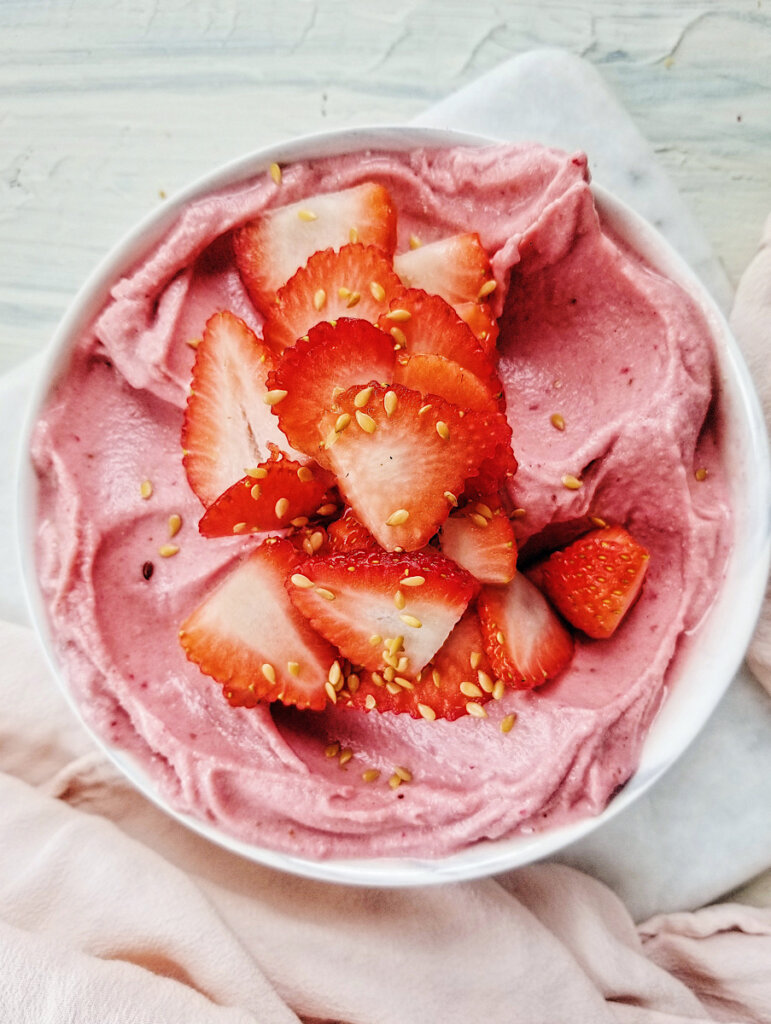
x,y
356,281
425,324
228,426
379,608
480,538
479,317
457,681
401,461
270,250
435,375
333,358
248,636
524,638
348,534
595,580
272,496
457,268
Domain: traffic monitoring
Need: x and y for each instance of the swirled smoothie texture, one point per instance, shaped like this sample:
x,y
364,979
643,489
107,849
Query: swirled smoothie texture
x,y
590,338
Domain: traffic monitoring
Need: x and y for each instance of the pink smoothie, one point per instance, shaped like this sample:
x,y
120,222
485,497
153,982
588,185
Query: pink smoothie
x,y
587,331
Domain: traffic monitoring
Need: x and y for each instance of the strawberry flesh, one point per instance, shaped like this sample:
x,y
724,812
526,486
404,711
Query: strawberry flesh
x,y
269,497
333,358
435,375
401,461
348,534
270,250
248,636
226,412
456,268
356,281
595,580
524,638
426,325
363,601
480,538
457,681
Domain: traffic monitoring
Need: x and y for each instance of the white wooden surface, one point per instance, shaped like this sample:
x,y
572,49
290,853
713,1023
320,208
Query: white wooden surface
x,y
105,105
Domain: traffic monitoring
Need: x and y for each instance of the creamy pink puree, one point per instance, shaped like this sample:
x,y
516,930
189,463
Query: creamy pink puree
x,y
587,331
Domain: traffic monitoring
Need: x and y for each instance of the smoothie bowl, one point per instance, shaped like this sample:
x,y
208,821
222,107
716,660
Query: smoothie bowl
x,y
396,506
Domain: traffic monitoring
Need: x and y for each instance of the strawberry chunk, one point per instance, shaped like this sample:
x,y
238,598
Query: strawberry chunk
x,y
457,268
356,281
270,497
595,580
228,426
248,636
401,461
333,358
270,250
425,324
348,534
379,608
480,318
524,638
480,538
457,681
435,375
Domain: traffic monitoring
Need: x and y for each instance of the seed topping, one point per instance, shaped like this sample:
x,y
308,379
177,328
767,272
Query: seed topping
x,y
319,299
366,422
274,397
487,289
426,712
410,620
507,723
146,489
298,580
168,550
275,173
307,215
175,524
572,482
390,401
269,672
281,508
397,518
443,430
557,421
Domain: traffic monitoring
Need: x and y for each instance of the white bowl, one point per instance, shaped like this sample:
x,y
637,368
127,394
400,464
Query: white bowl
x,y
702,677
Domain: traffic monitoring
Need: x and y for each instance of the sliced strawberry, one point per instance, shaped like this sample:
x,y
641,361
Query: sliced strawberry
x,y
311,539
271,249
524,638
457,268
457,681
356,281
401,461
228,426
425,324
348,534
333,358
248,635
480,538
364,601
272,496
595,580
479,317
435,375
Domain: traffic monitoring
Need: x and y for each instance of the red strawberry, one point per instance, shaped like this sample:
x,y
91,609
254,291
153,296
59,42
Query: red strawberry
x,y
480,538
248,635
364,601
457,268
479,317
435,375
524,638
401,461
226,411
348,534
457,681
311,539
357,281
426,325
332,359
272,496
595,580
271,249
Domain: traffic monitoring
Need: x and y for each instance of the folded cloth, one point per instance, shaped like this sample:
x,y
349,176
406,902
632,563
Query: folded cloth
x,y
111,911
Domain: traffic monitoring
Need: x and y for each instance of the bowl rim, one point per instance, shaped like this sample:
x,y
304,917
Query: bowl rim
x,y
486,857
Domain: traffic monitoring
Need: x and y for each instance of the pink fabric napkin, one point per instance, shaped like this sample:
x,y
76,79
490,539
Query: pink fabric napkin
x,y
111,911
